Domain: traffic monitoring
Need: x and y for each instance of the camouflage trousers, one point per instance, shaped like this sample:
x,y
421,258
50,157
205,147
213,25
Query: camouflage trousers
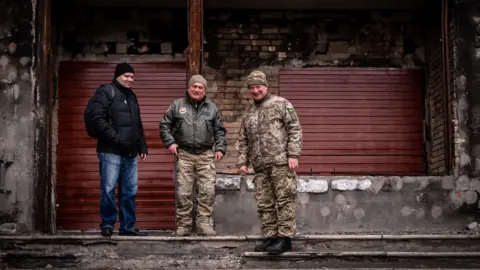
x,y
191,167
276,193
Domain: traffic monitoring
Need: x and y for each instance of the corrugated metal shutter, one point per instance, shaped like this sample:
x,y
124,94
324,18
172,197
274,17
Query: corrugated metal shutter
x,y
358,121
78,183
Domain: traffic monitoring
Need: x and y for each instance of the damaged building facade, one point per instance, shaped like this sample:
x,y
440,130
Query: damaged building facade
x,y
385,92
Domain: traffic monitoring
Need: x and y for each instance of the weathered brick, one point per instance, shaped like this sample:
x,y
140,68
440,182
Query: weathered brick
x,y
260,42
231,36
224,41
242,42
270,31
265,55
227,30
276,42
272,15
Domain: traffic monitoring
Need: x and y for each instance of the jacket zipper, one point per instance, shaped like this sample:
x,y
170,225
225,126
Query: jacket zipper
x,y
194,124
258,133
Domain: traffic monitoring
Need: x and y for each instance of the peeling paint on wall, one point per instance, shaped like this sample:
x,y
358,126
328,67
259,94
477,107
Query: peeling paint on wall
x,y
16,95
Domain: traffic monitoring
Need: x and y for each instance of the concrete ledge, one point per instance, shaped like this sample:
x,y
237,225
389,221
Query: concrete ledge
x,y
356,204
240,238
289,255
322,184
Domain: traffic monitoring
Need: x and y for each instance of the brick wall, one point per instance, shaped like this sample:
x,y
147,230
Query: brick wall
x,y
98,32
435,94
237,44
457,145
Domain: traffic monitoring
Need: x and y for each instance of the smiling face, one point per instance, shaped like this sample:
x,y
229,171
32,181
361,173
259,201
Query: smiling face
x,y
126,79
197,91
258,91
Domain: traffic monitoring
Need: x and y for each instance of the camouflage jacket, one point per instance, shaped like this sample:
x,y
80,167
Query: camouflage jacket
x,y
270,134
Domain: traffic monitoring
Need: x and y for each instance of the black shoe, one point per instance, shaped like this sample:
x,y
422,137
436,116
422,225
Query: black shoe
x,y
283,244
107,232
133,233
263,246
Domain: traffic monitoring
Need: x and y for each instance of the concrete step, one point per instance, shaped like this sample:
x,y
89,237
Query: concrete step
x,y
236,252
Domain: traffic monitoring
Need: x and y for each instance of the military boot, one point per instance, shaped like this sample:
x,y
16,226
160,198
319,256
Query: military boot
x,y
204,229
181,231
266,243
283,244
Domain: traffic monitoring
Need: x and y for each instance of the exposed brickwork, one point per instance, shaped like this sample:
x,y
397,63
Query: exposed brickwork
x,y
237,44
435,94
453,95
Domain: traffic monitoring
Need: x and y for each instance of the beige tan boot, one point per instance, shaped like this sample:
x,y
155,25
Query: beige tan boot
x,y
182,232
205,229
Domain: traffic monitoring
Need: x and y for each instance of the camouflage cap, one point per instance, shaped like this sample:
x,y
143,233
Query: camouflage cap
x,y
257,77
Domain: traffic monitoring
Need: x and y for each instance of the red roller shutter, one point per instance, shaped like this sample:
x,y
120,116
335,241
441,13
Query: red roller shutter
x,y
78,183
358,121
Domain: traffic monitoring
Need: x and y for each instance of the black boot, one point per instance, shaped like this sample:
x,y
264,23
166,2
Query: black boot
x,y
266,243
133,233
107,232
283,244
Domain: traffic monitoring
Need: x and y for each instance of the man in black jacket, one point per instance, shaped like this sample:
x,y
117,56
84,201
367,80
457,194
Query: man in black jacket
x,y
193,131
116,118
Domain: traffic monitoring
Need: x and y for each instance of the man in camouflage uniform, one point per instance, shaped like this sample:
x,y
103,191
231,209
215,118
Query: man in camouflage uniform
x,y
193,131
270,139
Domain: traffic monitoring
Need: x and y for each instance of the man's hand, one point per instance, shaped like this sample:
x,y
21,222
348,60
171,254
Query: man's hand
x,y
173,149
143,156
243,170
218,156
293,163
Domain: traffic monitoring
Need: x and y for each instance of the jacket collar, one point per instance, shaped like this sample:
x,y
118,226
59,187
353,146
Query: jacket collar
x,y
261,102
189,99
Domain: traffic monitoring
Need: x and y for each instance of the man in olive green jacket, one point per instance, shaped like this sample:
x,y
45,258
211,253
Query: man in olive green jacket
x,y
192,130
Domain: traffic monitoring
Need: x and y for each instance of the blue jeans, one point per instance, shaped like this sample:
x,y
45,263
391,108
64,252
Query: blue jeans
x,y
122,170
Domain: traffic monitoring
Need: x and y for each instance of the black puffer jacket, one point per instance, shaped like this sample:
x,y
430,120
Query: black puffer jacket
x,y
120,126
194,126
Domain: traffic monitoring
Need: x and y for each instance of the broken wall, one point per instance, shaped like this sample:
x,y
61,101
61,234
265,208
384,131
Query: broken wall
x,y
239,41
19,111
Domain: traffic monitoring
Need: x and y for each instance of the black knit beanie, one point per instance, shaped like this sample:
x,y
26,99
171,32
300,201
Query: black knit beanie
x,y
123,68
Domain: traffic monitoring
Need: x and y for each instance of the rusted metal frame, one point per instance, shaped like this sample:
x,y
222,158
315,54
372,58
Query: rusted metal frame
x,y
44,197
448,140
195,37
